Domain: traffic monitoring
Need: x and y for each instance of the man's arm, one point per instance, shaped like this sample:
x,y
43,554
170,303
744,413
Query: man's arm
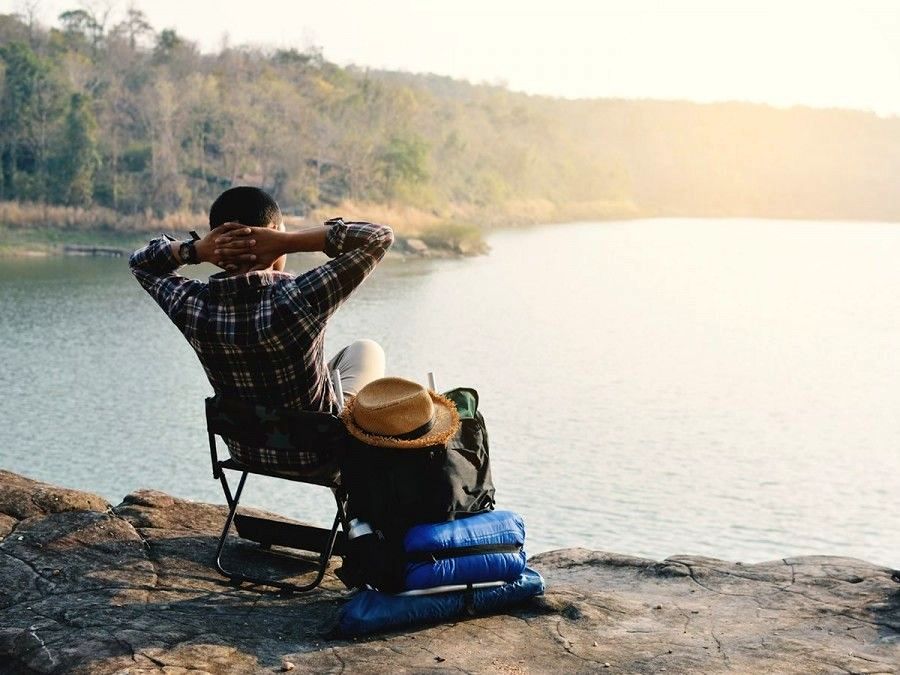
x,y
355,249
154,267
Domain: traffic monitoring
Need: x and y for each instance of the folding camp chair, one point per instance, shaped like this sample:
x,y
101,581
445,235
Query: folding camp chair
x,y
283,432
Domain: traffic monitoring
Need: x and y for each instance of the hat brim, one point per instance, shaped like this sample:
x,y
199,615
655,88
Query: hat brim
x,y
446,423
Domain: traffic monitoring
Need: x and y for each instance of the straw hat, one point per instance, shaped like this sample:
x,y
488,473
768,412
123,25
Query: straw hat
x,y
397,413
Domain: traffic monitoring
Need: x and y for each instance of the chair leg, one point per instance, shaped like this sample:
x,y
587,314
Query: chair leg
x,y
225,488
340,499
340,520
233,504
324,555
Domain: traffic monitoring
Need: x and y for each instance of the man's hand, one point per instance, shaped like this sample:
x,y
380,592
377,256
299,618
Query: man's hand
x,y
267,245
246,249
239,256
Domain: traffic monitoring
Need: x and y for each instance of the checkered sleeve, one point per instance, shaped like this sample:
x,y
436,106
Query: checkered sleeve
x,y
154,267
355,249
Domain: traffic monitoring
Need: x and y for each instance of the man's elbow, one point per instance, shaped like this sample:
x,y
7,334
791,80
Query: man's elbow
x,y
135,260
384,239
143,258
387,236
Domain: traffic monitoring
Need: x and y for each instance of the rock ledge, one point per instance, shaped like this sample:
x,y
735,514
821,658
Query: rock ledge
x,y
92,588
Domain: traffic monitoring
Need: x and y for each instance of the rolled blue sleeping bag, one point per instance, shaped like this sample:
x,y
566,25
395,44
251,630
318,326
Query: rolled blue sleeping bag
x,y
373,611
485,547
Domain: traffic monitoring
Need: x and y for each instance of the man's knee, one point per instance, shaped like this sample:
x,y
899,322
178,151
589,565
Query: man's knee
x,y
365,357
360,363
368,349
370,357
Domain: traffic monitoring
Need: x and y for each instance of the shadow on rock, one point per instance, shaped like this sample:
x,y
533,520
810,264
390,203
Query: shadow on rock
x,y
886,615
88,591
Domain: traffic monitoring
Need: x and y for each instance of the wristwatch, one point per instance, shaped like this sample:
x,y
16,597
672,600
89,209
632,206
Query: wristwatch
x,y
188,252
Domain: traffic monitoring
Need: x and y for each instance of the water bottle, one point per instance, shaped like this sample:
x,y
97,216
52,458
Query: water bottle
x,y
366,563
359,528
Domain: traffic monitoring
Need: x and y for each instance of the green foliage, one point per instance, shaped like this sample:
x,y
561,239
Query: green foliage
x,y
136,158
403,161
78,157
167,42
81,23
29,105
139,120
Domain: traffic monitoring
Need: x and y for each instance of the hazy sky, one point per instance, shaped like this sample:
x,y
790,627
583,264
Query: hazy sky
x,y
824,53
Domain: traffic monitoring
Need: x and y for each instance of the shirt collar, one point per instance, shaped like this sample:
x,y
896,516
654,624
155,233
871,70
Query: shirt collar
x,y
220,284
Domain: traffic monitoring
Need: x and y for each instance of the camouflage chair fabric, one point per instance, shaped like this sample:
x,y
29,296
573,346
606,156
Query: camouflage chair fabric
x,y
278,440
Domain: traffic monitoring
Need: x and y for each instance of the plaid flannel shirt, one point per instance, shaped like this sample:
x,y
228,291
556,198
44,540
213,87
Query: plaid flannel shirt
x,y
260,336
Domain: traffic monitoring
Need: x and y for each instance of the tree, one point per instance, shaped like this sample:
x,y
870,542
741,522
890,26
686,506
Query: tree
x,y
78,157
29,12
134,26
404,162
28,109
167,42
179,126
84,25
168,191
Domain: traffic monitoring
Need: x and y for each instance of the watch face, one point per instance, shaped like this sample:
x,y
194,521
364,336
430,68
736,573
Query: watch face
x,y
185,251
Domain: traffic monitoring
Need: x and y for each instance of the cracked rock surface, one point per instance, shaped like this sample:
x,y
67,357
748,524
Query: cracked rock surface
x,y
91,588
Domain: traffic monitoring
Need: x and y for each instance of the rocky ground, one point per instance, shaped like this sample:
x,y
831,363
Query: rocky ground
x,y
91,588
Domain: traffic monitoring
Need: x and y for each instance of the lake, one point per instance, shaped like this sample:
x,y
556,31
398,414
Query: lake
x,y
654,387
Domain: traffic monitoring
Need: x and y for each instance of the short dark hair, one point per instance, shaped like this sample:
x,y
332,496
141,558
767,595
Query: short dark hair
x,y
245,205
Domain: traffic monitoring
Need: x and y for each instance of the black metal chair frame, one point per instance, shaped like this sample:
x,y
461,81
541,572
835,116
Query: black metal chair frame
x,y
268,532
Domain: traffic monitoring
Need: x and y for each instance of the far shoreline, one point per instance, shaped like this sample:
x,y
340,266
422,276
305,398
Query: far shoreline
x,y
438,239
456,230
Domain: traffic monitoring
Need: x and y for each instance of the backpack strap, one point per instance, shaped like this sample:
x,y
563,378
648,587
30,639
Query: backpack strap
x,y
469,599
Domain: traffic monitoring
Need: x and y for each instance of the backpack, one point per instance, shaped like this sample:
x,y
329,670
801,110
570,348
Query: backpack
x,y
394,489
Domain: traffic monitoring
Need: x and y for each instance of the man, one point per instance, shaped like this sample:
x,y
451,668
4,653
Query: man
x,y
259,331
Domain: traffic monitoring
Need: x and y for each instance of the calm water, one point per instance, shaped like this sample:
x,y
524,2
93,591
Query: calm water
x,y
728,388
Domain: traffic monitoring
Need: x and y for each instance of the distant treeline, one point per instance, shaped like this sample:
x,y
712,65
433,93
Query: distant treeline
x,y
124,117
115,115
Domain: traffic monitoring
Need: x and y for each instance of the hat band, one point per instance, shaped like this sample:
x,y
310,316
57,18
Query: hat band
x,y
410,435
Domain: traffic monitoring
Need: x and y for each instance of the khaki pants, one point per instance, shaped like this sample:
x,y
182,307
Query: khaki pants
x,y
359,362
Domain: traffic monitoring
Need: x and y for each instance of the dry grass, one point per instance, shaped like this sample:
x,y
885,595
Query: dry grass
x,y
404,220
42,216
410,221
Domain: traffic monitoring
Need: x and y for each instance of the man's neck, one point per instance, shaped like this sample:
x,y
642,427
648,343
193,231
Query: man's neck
x,y
225,274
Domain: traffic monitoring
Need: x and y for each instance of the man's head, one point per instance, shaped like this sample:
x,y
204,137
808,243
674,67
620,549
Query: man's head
x,y
248,206
245,205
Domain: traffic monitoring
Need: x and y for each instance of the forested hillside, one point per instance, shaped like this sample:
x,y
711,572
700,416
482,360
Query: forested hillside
x,y
123,123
